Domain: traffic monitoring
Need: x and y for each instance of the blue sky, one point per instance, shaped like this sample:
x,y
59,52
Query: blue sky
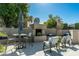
x,y
69,12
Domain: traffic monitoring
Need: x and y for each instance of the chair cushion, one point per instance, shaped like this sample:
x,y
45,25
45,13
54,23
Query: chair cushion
x,y
53,40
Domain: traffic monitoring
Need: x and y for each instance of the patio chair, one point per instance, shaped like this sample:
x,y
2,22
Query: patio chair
x,y
66,40
52,42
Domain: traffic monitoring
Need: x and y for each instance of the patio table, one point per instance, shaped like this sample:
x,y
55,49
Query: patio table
x,y
21,37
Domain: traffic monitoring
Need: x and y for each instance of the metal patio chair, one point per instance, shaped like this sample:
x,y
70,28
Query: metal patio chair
x,y
66,40
52,42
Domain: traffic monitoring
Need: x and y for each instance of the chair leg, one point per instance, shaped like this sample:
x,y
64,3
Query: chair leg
x,y
58,47
44,48
50,47
43,45
64,44
70,43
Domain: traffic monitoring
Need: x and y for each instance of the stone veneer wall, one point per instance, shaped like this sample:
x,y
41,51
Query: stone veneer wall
x,y
40,38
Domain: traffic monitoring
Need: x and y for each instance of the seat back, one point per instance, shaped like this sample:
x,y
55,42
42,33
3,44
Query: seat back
x,y
53,40
66,39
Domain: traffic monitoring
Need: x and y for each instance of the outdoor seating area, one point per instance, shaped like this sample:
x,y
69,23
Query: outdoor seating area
x,y
24,35
53,46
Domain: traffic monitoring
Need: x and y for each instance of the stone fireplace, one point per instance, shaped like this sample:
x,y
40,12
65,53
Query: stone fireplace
x,y
39,32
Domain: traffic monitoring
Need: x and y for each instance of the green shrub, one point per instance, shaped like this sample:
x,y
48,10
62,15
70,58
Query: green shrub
x,y
3,34
2,48
59,41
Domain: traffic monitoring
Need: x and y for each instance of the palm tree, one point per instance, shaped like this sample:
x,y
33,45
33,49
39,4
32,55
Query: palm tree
x,y
36,20
50,16
59,25
31,18
28,20
51,21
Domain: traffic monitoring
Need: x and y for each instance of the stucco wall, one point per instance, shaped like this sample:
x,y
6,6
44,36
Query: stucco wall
x,y
75,36
53,31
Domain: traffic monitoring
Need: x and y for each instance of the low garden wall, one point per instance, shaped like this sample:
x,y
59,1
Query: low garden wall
x,y
9,30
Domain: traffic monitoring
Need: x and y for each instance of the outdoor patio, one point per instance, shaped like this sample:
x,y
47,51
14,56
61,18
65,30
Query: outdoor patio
x,y
36,49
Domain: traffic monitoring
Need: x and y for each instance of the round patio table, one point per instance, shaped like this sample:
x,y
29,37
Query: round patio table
x,y
21,35
21,41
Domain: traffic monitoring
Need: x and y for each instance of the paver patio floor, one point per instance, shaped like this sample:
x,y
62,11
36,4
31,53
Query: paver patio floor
x,y
37,50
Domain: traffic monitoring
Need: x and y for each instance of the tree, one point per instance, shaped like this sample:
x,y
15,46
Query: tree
x,y
10,12
51,22
50,16
76,25
59,23
37,20
65,26
30,18
54,22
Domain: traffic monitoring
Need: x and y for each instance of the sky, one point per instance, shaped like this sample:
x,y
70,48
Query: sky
x,y
69,12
